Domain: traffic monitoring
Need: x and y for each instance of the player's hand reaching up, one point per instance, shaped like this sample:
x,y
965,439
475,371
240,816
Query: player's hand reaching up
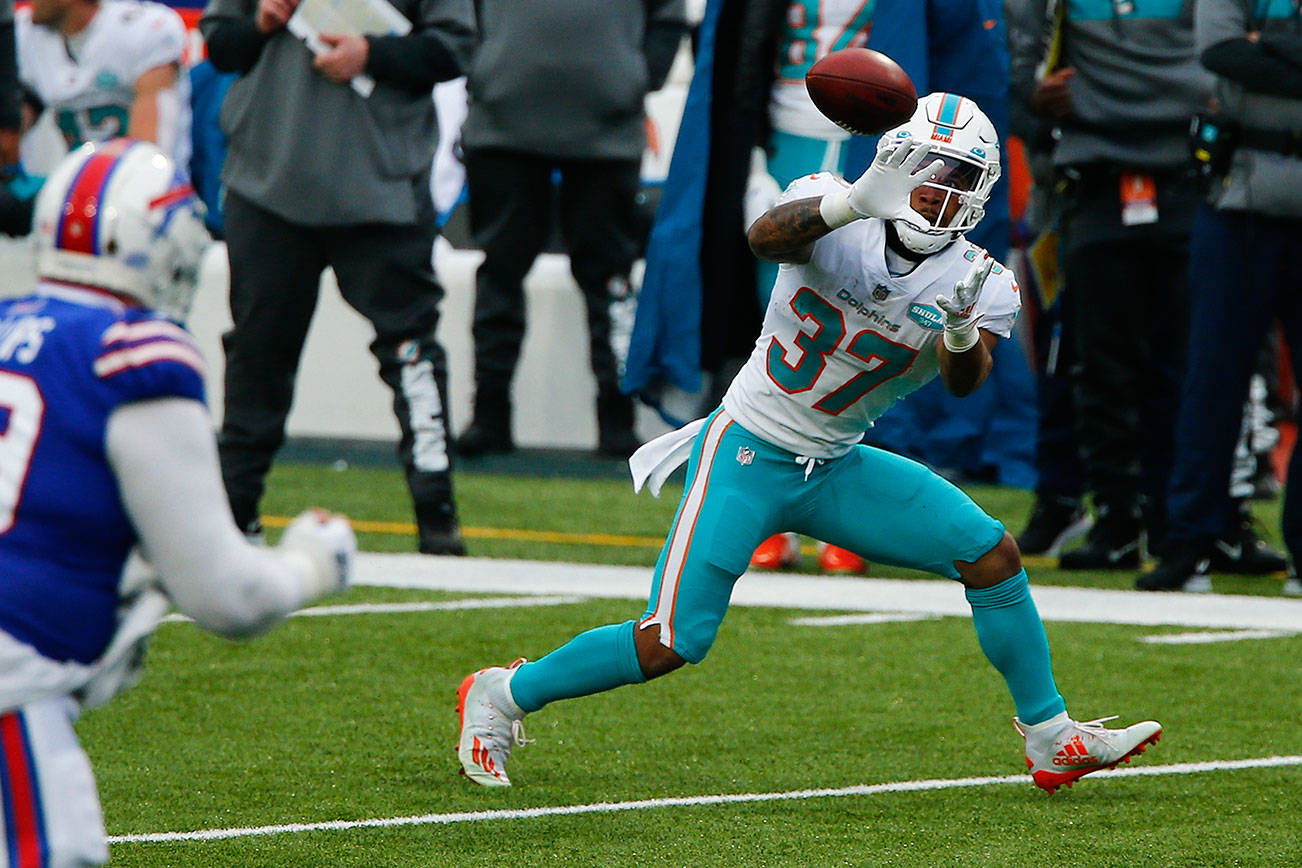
x,y
885,189
960,327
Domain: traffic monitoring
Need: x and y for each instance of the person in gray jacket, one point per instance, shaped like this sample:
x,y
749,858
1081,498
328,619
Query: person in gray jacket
x,y
557,86
318,175
1245,270
1124,87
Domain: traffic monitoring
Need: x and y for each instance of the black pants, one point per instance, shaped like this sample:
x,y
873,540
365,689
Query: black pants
x,y
1127,297
1057,455
384,274
512,201
1244,274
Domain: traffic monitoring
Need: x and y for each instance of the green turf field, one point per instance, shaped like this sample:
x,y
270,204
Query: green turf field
x,y
901,729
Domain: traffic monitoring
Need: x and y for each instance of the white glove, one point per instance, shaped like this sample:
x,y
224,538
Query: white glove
x,y
762,189
960,328
325,545
885,189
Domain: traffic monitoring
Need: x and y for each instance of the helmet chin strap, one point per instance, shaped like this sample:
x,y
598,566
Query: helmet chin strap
x,y
897,245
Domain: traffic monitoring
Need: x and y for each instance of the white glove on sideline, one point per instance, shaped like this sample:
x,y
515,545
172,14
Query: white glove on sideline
x,y
884,190
762,189
960,328
325,545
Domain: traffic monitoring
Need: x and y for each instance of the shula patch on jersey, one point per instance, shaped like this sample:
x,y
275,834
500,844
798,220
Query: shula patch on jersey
x,y
927,316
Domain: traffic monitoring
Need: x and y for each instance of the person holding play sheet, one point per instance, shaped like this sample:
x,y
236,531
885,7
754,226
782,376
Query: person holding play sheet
x,y
317,175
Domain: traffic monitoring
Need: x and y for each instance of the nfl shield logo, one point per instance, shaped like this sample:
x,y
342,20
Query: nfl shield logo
x,y
880,291
745,455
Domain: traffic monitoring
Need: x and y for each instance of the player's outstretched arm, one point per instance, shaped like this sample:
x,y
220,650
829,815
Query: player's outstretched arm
x,y
964,351
164,457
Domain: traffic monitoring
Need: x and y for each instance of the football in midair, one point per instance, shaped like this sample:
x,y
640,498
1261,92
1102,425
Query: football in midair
x,y
861,90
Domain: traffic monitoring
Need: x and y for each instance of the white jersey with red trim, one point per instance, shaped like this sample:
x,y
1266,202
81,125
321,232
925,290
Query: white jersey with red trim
x,y
68,359
843,339
89,83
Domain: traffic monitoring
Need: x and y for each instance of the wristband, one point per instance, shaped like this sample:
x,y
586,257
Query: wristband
x,y
835,209
962,340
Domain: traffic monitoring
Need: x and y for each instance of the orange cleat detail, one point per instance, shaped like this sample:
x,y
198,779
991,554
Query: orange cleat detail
x,y
777,552
836,560
1050,781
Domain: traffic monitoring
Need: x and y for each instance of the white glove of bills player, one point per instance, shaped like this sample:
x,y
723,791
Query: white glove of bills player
x,y
885,189
327,543
960,328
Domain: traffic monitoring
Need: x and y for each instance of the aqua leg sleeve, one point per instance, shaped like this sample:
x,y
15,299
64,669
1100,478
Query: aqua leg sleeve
x,y
1011,634
599,659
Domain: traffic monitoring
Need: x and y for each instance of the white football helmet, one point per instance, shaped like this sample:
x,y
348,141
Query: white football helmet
x,y
117,215
962,137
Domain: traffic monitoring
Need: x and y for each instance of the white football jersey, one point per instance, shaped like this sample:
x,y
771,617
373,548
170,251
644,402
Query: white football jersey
x,y
90,95
843,340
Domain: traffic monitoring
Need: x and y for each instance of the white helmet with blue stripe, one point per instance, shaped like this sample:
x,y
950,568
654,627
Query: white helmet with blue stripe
x,y
117,216
958,134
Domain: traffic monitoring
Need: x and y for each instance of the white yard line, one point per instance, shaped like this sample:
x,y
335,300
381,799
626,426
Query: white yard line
x,y
792,591
1204,638
403,608
866,618
687,801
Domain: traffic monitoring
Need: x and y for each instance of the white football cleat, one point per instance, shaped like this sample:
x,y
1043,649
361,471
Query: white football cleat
x,y
1060,750
490,725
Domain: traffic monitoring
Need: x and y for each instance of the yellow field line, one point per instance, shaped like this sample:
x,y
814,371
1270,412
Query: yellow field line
x,y
543,536
559,537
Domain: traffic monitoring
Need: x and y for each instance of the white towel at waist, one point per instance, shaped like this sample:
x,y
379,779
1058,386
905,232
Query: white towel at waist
x,y
655,460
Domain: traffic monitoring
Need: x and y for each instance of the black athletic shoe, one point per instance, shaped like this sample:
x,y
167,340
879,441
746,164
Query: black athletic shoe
x,y
1113,544
1185,570
480,439
447,541
1242,552
1265,485
1055,522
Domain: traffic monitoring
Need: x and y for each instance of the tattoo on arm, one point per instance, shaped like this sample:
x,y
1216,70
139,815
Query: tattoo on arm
x,y
786,233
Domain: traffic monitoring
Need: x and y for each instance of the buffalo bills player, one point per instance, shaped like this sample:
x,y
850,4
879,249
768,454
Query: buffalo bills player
x,y
105,445
878,292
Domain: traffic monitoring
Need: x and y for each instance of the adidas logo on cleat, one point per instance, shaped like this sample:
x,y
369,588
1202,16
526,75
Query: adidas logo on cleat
x,y
1074,753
